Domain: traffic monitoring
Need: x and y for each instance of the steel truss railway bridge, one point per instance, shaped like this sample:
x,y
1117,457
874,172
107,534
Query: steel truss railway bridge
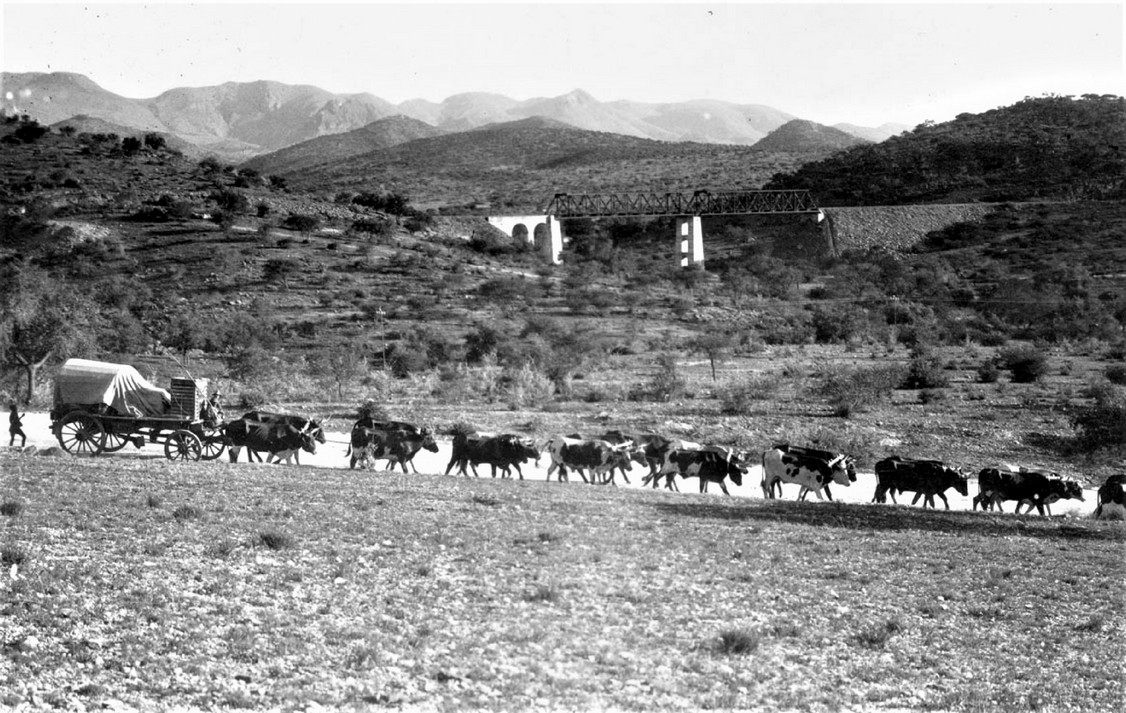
x,y
544,231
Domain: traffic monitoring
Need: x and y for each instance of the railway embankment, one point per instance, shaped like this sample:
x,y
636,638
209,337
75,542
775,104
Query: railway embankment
x,y
896,227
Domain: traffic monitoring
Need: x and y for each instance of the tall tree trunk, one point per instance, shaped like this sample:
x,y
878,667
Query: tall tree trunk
x,y
31,370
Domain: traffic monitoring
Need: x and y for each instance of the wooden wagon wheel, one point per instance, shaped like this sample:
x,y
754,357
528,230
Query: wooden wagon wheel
x,y
183,445
81,434
213,444
113,441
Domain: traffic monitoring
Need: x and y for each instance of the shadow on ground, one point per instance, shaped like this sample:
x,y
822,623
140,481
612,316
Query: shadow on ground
x,y
897,518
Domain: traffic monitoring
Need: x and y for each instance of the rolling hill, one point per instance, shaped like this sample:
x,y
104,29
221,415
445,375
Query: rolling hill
x,y
381,134
804,136
523,163
1049,147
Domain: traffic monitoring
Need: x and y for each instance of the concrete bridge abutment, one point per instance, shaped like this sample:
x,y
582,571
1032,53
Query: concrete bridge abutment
x,y
543,232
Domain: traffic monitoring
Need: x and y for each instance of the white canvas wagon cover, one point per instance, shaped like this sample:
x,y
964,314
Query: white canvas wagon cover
x,y
87,383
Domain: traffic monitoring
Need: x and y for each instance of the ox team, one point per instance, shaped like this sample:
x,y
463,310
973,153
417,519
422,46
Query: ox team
x,y
602,459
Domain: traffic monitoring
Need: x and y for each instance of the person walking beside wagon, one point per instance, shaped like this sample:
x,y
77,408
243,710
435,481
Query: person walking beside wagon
x,y
15,427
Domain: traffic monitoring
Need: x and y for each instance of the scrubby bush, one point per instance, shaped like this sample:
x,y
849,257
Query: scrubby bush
x,y
835,324
988,372
1116,374
388,202
406,359
481,342
377,227
418,221
848,390
491,241
507,289
667,384
248,362
231,201
301,222
275,540
30,131
1027,363
925,371
1103,425
527,386
740,397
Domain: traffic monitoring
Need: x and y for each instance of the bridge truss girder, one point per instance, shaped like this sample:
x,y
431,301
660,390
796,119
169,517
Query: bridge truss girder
x,y
565,205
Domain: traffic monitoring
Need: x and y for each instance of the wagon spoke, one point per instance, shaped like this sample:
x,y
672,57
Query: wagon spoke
x,y
113,442
213,444
183,445
81,434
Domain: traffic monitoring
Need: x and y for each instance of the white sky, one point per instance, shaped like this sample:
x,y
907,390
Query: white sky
x,y
829,62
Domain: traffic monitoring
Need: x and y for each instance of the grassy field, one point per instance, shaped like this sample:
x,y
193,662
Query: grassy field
x,y
144,584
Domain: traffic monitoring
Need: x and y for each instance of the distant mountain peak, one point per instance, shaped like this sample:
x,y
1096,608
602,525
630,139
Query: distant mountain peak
x,y
238,120
579,96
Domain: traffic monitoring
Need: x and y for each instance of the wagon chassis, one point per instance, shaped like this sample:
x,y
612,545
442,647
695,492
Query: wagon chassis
x,y
83,433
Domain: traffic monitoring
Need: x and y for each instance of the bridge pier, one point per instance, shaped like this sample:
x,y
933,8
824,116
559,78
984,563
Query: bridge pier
x,y
690,238
544,232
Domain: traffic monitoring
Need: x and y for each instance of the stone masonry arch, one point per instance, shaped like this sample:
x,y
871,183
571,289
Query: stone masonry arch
x,y
543,232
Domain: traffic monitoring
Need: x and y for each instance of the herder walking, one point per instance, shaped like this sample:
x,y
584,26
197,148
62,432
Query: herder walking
x,y
15,427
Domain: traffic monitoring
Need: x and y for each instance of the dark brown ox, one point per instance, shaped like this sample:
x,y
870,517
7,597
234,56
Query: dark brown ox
x,y
303,423
277,439
504,451
925,478
1028,487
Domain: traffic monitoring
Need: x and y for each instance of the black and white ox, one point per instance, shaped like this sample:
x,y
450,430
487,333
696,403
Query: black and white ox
x,y
505,451
394,441
297,421
810,468
1033,488
657,451
279,440
596,456
1112,498
925,478
711,464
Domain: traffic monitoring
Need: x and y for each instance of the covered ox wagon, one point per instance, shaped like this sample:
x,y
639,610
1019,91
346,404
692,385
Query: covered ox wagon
x,y
101,407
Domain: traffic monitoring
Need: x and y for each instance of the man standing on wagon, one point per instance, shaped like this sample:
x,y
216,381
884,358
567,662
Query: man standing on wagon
x,y
15,427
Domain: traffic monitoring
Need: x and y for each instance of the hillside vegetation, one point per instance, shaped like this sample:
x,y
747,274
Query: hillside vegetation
x,y
1012,324
1043,148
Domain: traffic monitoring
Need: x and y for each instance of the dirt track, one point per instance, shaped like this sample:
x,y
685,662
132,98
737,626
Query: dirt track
x,y
37,425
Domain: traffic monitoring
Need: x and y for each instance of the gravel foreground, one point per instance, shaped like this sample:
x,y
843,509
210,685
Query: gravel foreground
x,y
139,584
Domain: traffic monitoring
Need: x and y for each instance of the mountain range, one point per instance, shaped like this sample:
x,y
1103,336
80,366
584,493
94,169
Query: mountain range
x,y
236,121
